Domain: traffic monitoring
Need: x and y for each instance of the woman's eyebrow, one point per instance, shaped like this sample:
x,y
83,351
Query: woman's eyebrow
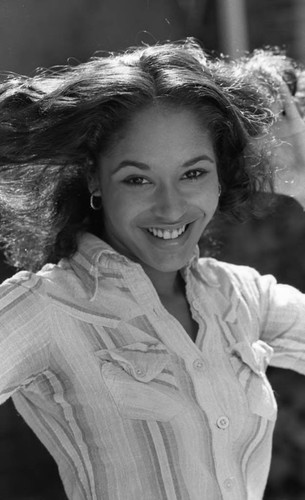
x,y
130,163
144,166
195,160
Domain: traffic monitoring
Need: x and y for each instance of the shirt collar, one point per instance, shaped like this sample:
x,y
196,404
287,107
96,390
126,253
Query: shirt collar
x,y
92,252
95,255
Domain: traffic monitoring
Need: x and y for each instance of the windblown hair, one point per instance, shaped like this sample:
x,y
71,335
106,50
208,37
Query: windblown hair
x,y
269,66
55,125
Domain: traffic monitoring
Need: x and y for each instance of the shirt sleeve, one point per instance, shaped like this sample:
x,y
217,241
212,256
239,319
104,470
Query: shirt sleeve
x,y
24,332
279,310
282,313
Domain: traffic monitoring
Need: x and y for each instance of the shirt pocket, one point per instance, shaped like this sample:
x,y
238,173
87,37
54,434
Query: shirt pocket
x,y
140,378
250,362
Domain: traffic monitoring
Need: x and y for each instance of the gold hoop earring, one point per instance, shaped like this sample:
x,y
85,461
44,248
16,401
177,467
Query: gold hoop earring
x,y
93,203
219,190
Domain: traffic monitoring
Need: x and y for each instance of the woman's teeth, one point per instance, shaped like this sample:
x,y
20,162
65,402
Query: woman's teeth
x,y
167,234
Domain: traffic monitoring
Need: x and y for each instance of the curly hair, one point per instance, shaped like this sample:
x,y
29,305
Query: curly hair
x,y
56,124
268,66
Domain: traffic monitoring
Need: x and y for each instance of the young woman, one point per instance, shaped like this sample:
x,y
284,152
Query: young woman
x,y
140,366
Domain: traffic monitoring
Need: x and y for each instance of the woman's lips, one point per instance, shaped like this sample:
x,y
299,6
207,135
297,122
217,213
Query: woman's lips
x,y
167,234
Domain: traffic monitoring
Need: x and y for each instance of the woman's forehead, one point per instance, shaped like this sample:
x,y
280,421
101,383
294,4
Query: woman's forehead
x,y
160,127
160,139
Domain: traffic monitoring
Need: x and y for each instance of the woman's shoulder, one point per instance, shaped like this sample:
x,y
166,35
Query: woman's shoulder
x,y
22,297
217,269
22,282
223,274
52,279
61,280
30,294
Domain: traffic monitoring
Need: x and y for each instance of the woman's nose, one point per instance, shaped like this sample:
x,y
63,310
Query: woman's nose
x,y
169,203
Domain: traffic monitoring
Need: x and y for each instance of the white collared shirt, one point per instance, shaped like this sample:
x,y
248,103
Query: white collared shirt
x,y
128,405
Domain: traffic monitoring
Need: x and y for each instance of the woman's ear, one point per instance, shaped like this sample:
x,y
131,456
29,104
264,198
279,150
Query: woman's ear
x,y
92,177
93,184
94,188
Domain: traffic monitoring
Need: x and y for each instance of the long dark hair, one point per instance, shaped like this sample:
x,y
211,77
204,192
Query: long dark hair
x,y
54,126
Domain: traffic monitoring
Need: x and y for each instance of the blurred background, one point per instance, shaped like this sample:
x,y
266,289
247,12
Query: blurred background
x,y
41,33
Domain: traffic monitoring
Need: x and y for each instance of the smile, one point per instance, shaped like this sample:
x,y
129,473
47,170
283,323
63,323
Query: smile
x,y
167,234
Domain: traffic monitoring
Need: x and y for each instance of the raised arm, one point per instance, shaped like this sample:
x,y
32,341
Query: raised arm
x,y
288,156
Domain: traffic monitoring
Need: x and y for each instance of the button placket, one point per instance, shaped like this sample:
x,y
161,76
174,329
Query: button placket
x,y
219,424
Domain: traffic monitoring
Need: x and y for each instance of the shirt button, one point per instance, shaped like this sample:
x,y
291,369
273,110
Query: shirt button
x,y
139,372
198,364
229,483
222,422
196,305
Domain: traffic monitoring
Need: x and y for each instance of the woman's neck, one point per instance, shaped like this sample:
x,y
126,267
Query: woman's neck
x,y
166,284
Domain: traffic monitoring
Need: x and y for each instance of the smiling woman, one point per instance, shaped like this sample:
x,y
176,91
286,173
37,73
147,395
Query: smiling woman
x,y
157,204
140,366
63,122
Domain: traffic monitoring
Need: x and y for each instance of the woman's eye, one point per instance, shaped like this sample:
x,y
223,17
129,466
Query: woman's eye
x,y
194,174
136,181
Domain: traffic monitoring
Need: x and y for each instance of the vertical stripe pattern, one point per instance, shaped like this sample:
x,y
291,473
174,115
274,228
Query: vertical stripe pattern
x,y
127,404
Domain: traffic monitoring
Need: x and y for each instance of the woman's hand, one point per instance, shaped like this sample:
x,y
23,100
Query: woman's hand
x,y
288,157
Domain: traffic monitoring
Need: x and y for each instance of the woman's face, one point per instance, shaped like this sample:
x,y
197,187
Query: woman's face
x,y
159,188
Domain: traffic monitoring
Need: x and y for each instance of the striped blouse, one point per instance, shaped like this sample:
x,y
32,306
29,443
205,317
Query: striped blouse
x,y
128,405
